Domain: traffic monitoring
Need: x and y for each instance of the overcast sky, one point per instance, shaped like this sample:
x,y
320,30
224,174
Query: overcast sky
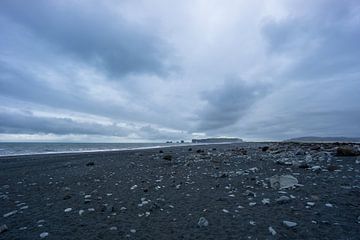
x,y
169,70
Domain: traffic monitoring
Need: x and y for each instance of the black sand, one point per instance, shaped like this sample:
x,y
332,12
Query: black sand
x,y
217,183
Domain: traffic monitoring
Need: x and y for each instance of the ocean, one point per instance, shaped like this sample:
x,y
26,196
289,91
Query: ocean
x,y
28,148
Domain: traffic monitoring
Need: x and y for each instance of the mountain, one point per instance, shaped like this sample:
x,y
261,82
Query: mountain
x,y
324,139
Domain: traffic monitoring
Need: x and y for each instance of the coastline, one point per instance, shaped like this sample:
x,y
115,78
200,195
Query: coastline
x,y
138,194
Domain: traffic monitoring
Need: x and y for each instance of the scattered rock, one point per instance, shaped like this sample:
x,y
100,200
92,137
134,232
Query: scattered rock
x,y
283,181
203,222
290,224
272,231
347,151
3,228
283,200
68,210
167,157
332,168
90,164
44,234
316,169
265,148
9,213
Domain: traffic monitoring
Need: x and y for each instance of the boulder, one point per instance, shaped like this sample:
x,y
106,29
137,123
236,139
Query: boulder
x,y
347,151
283,181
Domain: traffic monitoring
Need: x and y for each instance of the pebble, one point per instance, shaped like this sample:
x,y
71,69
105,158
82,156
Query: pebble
x,y
68,210
133,187
3,228
203,222
81,212
9,213
132,230
290,224
329,205
265,201
113,228
310,203
282,200
272,231
44,234
225,211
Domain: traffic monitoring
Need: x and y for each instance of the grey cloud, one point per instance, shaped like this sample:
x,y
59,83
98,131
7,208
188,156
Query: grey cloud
x,y
227,104
26,122
93,33
151,133
324,42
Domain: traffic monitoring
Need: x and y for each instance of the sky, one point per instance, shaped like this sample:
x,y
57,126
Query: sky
x,y
148,71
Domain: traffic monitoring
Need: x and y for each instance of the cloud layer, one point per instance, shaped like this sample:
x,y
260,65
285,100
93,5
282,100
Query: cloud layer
x,y
140,71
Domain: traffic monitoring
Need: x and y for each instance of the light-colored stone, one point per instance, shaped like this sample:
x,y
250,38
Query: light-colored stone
x,y
203,222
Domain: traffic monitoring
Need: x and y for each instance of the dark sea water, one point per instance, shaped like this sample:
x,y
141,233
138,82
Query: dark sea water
x,y
8,149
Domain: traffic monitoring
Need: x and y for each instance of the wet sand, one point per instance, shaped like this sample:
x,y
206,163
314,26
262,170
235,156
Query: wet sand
x,y
162,194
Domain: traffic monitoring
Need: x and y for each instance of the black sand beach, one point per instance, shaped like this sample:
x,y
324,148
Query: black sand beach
x,y
163,193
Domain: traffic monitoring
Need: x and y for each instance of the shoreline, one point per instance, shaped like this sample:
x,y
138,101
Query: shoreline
x,y
114,150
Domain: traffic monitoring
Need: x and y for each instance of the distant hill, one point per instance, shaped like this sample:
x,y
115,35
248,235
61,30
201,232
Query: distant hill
x,y
323,139
216,140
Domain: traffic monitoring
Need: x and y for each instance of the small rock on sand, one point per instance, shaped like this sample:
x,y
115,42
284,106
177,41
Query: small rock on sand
x,y
203,222
44,234
3,228
283,181
272,231
290,224
282,200
68,210
9,213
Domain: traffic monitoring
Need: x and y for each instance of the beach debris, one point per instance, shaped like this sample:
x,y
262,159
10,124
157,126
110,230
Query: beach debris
x,y
283,200
3,228
9,213
347,151
81,212
265,201
133,187
290,224
68,210
283,181
203,222
167,157
252,223
272,231
44,234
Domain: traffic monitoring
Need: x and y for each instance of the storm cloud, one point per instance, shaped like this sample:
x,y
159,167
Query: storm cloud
x,y
141,71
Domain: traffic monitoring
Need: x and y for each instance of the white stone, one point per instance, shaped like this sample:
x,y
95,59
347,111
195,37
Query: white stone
x,y
272,231
290,224
68,210
203,222
44,234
